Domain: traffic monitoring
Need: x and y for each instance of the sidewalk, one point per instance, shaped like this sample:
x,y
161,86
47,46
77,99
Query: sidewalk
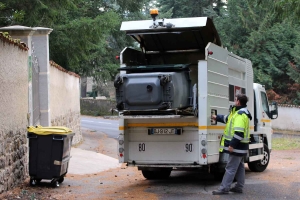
x,y
89,162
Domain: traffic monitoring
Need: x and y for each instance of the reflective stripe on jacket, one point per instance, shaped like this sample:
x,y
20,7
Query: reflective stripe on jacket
x,y
237,131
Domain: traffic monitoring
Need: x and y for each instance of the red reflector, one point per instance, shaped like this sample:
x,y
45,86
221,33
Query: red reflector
x,y
117,57
210,53
204,155
121,155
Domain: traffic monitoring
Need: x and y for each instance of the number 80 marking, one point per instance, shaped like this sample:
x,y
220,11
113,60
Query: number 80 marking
x,y
142,147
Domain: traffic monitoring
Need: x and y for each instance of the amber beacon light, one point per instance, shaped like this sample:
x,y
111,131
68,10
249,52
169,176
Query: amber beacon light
x,y
153,13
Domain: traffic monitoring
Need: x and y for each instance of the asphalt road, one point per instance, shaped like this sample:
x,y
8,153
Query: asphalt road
x,y
97,124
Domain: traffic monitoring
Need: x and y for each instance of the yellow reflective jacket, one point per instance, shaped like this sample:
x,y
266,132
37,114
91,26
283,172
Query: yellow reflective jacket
x,y
237,131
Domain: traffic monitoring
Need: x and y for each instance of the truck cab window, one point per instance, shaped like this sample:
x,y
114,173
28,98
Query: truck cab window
x,y
264,102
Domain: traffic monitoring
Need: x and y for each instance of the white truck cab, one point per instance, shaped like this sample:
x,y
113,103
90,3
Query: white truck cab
x,y
167,92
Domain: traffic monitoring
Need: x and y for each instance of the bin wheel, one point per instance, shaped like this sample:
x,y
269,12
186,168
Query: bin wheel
x,y
38,180
61,179
32,182
54,183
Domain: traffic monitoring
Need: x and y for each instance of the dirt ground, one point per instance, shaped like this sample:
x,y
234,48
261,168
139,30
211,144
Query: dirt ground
x,y
130,184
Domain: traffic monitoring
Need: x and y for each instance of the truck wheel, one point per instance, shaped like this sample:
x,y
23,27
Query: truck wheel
x,y
149,174
164,174
152,175
218,176
261,165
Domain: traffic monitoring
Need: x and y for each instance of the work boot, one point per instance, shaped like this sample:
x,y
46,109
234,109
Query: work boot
x,y
236,190
219,192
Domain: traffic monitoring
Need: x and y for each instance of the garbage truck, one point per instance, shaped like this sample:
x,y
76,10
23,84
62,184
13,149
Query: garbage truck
x,y
169,87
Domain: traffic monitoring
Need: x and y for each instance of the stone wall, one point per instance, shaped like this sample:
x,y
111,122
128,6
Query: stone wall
x,y
65,99
13,113
97,107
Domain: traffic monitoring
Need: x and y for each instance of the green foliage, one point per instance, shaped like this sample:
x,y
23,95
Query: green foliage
x,y
33,12
271,50
77,44
191,8
235,24
2,6
288,9
253,30
286,143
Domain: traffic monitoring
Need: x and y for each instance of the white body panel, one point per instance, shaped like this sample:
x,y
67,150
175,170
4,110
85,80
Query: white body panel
x,y
180,23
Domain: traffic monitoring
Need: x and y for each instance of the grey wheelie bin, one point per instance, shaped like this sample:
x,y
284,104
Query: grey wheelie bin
x,y
49,153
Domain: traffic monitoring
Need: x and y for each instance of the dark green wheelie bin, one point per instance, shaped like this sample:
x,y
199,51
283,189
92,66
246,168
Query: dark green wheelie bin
x,y
49,153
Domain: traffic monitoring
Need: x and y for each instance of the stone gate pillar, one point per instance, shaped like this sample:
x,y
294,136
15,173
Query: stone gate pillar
x,y
40,41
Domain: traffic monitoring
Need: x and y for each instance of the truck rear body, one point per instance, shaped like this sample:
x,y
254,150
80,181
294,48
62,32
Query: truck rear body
x,y
167,92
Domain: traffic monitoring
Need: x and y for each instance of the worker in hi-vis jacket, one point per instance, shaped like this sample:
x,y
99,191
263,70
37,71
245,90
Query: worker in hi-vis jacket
x,y
235,141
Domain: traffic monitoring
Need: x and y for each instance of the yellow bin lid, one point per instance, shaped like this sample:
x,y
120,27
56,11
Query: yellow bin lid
x,y
40,130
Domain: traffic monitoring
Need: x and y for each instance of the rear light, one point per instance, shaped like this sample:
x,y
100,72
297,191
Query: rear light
x,y
121,142
204,151
121,155
117,57
121,150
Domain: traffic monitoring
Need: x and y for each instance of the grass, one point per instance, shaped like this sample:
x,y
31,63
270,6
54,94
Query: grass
x,y
285,143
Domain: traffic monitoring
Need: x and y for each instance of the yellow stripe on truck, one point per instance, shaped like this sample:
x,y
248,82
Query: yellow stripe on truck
x,y
176,125
211,127
265,120
184,124
163,124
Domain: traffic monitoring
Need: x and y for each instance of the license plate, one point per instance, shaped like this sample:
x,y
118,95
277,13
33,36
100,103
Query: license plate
x,y
165,131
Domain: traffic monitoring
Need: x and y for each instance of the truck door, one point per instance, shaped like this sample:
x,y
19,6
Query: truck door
x,y
263,114
255,112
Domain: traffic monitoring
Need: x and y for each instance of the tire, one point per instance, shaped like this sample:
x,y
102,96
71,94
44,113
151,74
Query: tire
x,y
32,182
152,175
164,174
61,179
261,165
38,180
54,183
118,81
218,176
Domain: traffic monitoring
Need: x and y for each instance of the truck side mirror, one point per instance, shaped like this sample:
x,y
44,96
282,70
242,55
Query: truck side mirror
x,y
274,110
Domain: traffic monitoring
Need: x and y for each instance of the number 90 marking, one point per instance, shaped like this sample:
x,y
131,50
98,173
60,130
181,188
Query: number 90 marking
x,y
189,147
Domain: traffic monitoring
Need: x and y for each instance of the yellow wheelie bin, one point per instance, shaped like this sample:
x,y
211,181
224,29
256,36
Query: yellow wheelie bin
x,y
49,153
